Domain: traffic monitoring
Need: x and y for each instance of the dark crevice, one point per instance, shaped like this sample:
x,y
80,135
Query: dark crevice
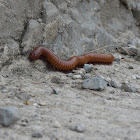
x,y
8,62
22,35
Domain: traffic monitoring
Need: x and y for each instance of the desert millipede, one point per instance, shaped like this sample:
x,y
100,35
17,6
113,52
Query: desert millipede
x,y
71,62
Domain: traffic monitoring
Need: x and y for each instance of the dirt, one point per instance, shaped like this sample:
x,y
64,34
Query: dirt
x,y
109,114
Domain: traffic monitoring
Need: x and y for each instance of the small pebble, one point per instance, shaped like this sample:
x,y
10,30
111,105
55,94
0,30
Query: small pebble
x,y
55,91
117,60
8,115
42,103
128,88
35,104
134,77
79,128
56,124
40,20
23,96
87,75
112,92
5,90
138,77
138,56
26,102
130,67
58,80
24,122
76,77
113,84
69,75
88,67
37,135
80,71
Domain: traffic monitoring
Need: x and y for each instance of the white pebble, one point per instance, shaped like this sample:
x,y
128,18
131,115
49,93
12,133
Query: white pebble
x,y
56,124
77,77
35,104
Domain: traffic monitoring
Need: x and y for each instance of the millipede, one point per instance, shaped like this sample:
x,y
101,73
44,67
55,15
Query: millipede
x,y
72,62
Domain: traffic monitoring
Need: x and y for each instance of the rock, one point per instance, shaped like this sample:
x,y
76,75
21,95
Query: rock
x,y
134,77
58,80
131,51
88,67
55,91
56,124
138,56
35,104
8,115
117,60
37,135
136,12
69,75
50,12
51,31
42,103
130,67
76,77
33,35
8,50
23,96
80,71
128,88
87,75
24,122
135,42
113,84
95,83
79,128
138,77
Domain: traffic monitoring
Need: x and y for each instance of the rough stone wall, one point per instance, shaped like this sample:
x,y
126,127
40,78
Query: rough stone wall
x,y
68,27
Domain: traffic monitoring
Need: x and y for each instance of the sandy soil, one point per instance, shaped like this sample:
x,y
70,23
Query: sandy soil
x,y
111,114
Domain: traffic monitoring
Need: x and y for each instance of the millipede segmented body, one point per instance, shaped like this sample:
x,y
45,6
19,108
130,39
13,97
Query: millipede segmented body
x,y
71,62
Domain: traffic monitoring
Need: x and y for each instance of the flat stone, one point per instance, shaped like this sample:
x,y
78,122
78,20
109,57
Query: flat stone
x,y
128,88
88,67
8,115
95,83
79,128
37,135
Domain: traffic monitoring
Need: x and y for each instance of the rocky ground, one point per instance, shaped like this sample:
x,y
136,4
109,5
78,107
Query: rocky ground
x,y
93,102
54,105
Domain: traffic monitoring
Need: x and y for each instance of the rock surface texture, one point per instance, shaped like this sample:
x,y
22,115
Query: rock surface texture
x,y
52,104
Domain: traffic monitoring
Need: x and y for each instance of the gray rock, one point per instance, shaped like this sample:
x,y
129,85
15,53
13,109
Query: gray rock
x,y
69,75
37,135
8,115
128,88
77,76
79,128
95,83
55,91
50,12
135,42
23,96
88,67
130,67
138,56
136,12
117,60
131,51
33,35
113,84
58,80
87,75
